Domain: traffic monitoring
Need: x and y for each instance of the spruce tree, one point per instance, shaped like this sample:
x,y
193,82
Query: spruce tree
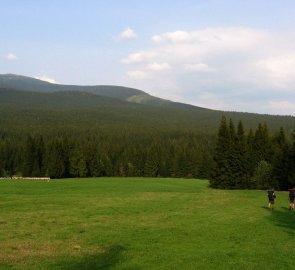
x,y
251,160
58,160
281,160
291,163
221,175
40,153
29,161
263,176
77,164
261,144
205,166
233,162
153,161
242,162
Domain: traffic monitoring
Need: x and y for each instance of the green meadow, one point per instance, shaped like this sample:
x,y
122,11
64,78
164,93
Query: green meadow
x,y
141,223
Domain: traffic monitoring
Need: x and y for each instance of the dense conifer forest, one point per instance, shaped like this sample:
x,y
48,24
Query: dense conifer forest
x,y
82,134
233,160
252,160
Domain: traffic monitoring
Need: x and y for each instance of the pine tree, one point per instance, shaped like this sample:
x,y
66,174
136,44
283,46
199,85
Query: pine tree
x,y
30,162
251,161
77,164
242,162
58,161
153,161
281,160
205,166
221,175
233,162
261,144
291,163
40,153
8,159
263,176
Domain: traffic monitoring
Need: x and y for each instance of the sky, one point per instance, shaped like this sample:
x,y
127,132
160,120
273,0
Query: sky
x,y
233,55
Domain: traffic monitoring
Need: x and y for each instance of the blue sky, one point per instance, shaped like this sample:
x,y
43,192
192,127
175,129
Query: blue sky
x,y
221,54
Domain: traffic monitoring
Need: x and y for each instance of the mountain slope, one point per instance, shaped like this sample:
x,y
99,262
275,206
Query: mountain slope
x,y
71,108
56,100
23,83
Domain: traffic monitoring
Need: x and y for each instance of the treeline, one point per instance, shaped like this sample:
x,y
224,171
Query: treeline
x,y
153,154
233,159
255,160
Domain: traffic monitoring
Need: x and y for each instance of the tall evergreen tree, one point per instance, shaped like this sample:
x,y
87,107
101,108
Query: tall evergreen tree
x,y
221,175
251,160
153,161
77,163
58,161
243,175
263,176
262,144
233,174
40,153
30,162
291,166
281,160
206,166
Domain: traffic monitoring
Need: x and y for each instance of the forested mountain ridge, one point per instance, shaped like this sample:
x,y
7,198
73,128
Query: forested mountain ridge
x,y
23,83
74,133
25,105
57,100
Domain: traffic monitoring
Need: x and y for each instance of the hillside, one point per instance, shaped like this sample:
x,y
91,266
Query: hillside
x,y
20,108
24,83
56,100
78,111
85,134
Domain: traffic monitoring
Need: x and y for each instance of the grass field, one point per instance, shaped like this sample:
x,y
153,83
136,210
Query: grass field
x,y
141,223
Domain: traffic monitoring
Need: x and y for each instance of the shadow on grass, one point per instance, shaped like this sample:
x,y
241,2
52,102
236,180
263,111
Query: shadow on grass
x,y
5,266
103,261
284,218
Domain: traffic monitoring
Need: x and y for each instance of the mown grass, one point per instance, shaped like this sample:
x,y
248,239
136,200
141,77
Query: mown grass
x,y
141,223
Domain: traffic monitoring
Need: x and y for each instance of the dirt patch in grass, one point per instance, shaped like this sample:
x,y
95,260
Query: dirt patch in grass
x,y
22,254
96,259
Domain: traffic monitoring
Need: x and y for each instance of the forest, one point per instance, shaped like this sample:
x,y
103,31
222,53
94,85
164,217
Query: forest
x,y
80,134
231,159
253,160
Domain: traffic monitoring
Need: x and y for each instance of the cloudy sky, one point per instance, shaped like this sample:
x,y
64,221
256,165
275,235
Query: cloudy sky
x,y
220,54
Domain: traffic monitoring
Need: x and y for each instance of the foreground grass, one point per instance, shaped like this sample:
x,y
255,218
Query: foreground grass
x,y
136,223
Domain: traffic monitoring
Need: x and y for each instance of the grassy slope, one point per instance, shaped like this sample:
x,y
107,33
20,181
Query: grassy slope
x,y
141,224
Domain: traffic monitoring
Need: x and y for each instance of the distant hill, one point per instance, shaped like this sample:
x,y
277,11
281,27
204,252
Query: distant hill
x,y
73,108
56,100
116,104
23,83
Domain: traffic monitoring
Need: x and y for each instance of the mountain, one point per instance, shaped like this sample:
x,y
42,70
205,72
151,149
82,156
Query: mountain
x,y
56,100
23,83
26,99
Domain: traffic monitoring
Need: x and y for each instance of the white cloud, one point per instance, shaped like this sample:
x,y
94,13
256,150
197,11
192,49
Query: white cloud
x,y
279,69
137,75
138,57
208,100
46,79
10,56
128,33
233,63
159,66
177,36
199,67
285,104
